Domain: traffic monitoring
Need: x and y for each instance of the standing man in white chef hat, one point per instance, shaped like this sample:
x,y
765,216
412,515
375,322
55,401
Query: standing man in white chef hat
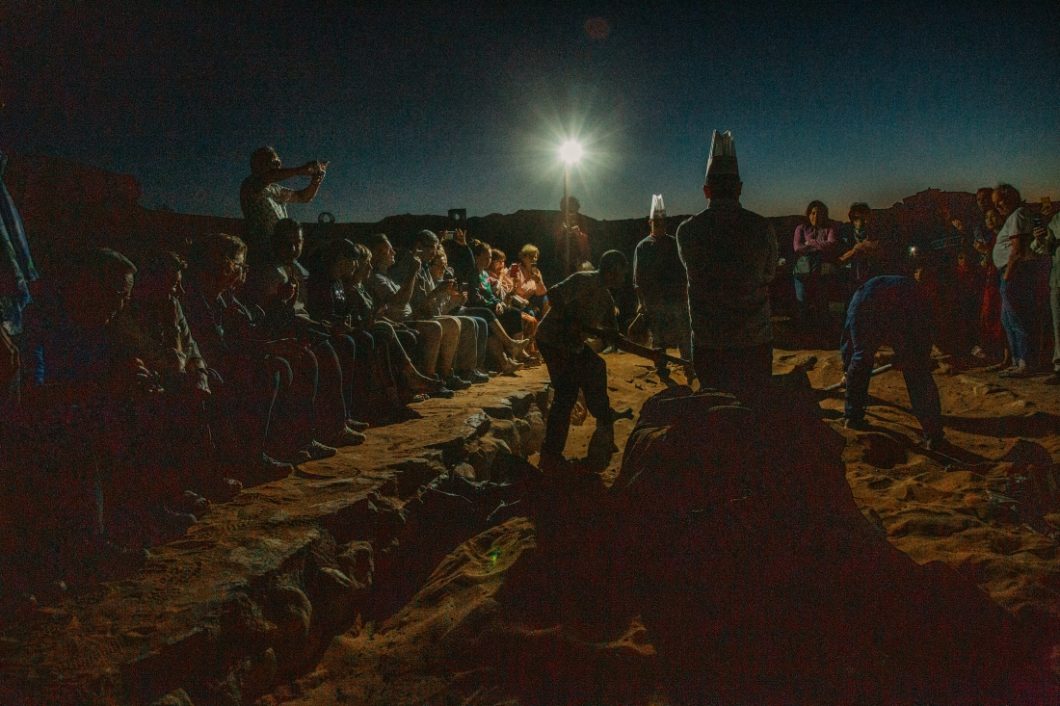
x,y
730,256
662,286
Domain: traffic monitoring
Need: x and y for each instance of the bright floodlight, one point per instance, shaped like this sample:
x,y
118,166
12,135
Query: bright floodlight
x,y
570,151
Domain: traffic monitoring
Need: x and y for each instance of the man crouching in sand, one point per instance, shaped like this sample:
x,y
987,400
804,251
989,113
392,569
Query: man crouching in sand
x,y
581,306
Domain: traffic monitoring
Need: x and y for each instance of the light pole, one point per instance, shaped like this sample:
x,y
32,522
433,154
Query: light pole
x,y
570,152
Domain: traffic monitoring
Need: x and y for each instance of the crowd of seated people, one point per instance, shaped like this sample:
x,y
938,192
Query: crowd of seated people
x,y
153,389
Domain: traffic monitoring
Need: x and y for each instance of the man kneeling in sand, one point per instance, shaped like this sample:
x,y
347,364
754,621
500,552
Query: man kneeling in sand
x,y
581,306
892,310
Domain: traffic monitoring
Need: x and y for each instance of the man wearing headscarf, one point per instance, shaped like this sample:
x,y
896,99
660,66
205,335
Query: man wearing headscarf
x,y
730,257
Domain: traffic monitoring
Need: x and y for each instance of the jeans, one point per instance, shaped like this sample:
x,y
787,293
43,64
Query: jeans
x,y
863,336
1017,307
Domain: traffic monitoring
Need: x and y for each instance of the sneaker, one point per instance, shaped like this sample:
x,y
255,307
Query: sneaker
x,y
475,377
316,451
347,437
356,425
855,424
1053,379
453,382
268,469
1016,371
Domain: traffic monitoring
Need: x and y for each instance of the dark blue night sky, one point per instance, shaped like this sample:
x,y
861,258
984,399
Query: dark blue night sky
x,y
423,107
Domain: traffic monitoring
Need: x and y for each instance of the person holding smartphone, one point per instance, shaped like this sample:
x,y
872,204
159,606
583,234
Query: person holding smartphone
x,y
264,200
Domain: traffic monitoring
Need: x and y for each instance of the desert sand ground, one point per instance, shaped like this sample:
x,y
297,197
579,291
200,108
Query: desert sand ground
x,y
988,506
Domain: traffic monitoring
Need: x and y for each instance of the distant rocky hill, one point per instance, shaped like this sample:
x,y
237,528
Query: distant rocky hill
x,y
66,204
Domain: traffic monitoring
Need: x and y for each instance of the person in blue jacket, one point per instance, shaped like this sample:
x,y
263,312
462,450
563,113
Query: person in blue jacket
x,y
891,310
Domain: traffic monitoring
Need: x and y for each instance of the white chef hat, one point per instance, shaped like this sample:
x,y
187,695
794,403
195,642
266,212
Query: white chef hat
x,y
658,208
722,159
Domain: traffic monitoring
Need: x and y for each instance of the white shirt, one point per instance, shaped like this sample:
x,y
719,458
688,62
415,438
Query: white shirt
x,y
1019,221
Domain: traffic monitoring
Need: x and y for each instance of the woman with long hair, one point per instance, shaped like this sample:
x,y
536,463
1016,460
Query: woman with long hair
x,y
816,249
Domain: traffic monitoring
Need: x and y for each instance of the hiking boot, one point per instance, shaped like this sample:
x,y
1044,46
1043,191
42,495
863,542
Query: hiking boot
x,y
856,424
347,437
443,392
356,425
315,451
453,382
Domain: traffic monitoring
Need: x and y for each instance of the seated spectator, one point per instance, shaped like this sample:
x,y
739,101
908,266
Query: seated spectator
x,y
426,295
503,285
153,333
528,286
393,300
260,409
329,302
816,248
397,339
482,297
77,499
281,289
474,331
527,281
461,259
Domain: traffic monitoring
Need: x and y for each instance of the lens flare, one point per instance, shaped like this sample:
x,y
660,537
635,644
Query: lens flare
x,y
571,152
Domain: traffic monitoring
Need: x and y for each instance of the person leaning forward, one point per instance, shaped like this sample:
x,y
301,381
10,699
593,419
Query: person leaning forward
x,y
730,256
581,305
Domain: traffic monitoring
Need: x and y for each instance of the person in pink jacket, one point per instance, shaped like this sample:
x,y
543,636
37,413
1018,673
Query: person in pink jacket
x,y
816,249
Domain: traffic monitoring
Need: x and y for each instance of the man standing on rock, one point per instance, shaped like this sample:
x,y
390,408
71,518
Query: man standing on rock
x,y
264,201
662,286
730,256
891,310
581,306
